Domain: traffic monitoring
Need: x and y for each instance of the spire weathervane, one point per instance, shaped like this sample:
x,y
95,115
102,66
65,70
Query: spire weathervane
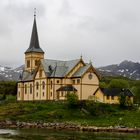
x,y
34,12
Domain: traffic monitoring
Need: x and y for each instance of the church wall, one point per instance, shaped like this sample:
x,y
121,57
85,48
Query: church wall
x,y
28,95
20,91
89,85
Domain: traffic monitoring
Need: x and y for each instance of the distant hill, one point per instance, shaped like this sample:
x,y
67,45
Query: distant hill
x,y
126,68
9,74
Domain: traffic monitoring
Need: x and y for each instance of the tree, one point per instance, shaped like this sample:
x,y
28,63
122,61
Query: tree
x,y
122,99
118,83
72,99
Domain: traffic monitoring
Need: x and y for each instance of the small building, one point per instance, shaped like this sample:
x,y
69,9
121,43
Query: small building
x,y
112,95
47,79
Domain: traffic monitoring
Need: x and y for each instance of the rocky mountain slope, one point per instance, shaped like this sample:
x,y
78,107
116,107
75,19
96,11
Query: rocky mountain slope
x,y
9,74
127,69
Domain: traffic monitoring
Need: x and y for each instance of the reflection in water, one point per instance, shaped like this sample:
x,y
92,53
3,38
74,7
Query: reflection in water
x,y
44,134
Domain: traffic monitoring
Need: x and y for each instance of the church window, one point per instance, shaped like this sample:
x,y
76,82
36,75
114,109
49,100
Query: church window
x,y
51,84
37,94
43,85
30,88
78,81
25,89
18,94
107,97
28,63
112,97
73,81
37,85
90,76
62,93
51,94
43,94
57,81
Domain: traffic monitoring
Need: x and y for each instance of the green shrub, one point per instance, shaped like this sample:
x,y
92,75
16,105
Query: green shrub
x,y
72,100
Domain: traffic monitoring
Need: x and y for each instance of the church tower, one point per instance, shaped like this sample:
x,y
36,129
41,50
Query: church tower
x,y
34,53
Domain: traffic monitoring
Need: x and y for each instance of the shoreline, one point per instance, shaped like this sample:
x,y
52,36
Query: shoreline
x,y
66,126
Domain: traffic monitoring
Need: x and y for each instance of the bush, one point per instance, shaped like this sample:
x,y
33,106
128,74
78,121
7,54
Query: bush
x,y
72,99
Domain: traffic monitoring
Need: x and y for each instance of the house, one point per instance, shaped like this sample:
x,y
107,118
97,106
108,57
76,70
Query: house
x,y
47,79
112,95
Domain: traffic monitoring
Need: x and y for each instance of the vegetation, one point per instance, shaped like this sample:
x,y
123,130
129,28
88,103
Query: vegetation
x,y
72,100
72,111
86,113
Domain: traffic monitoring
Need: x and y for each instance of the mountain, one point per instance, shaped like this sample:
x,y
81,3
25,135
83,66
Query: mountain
x,y
126,68
9,74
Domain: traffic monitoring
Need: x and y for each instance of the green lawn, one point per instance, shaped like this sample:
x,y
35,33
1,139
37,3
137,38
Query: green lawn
x,y
100,115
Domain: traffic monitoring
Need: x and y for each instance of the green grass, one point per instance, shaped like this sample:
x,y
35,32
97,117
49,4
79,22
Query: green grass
x,y
103,114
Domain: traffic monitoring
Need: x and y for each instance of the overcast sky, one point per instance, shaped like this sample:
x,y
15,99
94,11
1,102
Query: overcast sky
x,y
103,31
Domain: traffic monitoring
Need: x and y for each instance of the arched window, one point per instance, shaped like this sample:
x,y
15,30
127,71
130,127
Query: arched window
x,y
51,84
37,85
30,88
18,94
25,89
43,85
28,63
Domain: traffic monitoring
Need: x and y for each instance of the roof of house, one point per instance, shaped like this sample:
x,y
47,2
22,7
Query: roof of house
x,y
26,76
116,91
34,42
57,68
82,70
67,88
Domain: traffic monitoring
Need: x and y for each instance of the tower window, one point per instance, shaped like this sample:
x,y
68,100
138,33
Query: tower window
x,y
36,62
28,63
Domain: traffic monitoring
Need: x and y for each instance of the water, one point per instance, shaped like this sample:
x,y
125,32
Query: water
x,y
44,134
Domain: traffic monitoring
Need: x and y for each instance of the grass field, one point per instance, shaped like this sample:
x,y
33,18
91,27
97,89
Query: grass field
x,y
56,111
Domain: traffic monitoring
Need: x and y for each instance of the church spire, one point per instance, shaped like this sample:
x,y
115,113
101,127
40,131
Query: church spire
x,y
34,42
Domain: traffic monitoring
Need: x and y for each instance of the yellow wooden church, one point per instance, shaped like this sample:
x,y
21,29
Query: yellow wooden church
x,y
46,79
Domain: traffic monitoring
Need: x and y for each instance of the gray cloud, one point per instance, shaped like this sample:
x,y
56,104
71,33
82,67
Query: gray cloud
x,y
105,31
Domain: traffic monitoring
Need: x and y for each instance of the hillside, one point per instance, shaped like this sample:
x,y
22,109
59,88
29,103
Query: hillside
x,y
126,68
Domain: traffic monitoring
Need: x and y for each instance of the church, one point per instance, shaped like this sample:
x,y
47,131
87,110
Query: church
x,y
47,79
